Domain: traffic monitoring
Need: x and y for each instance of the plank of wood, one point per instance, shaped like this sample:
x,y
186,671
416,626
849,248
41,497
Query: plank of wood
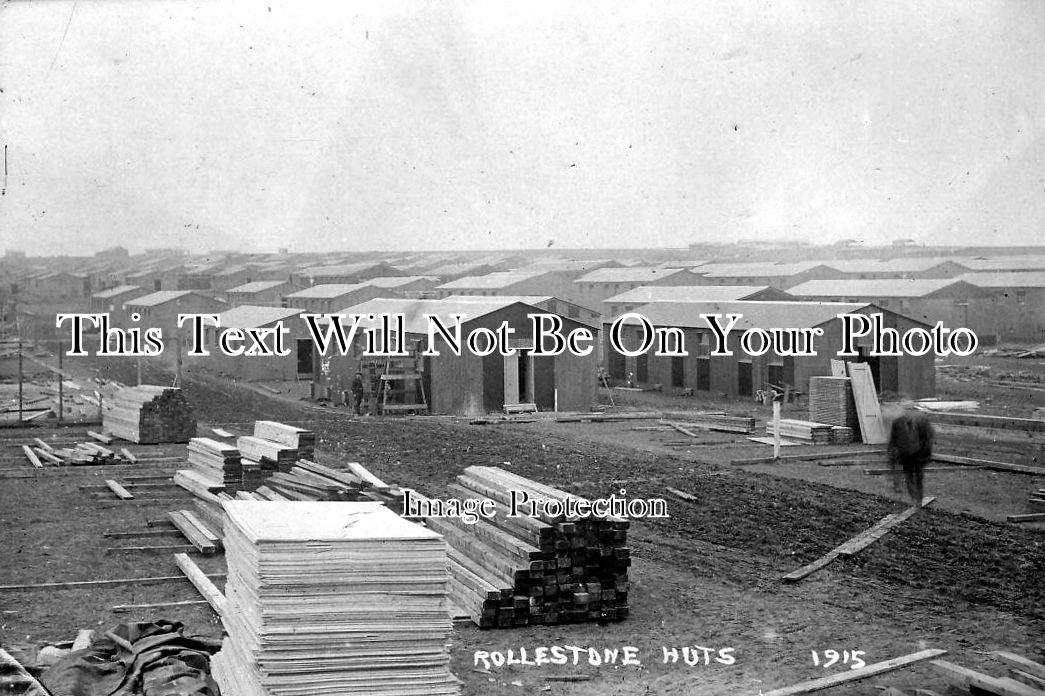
x,y
683,430
175,548
363,473
882,472
856,544
968,678
104,439
220,432
868,409
202,583
140,533
120,608
1020,662
838,368
31,456
191,532
977,420
988,464
127,455
77,584
43,445
682,494
84,638
48,456
121,492
810,456
1027,517
813,685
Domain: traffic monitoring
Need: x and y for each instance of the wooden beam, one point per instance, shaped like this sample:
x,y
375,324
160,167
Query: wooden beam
x,y
202,583
176,548
221,432
968,678
810,456
127,455
84,638
813,685
1020,662
988,464
104,439
158,605
31,456
1028,517
883,472
977,420
179,519
121,492
77,584
139,533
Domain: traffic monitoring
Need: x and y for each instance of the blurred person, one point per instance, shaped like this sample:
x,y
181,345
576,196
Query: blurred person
x,y
910,448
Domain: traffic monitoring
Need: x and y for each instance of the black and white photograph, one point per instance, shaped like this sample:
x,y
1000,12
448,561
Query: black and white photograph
x,y
480,348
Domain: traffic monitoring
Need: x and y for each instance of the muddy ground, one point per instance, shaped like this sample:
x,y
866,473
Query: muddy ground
x,y
955,576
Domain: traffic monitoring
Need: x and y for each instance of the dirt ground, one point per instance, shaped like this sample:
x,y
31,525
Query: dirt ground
x,y
955,576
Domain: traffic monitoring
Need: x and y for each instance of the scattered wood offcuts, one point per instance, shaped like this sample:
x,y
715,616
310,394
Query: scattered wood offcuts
x,y
149,414
333,598
511,571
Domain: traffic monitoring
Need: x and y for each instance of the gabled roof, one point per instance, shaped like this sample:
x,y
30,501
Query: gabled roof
x,y
251,316
346,269
327,291
633,274
397,281
905,264
1012,279
1028,262
755,270
258,286
874,288
114,292
414,311
490,281
686,293
792,315
161,297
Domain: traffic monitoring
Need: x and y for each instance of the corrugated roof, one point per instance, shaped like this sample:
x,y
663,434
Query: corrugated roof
x,y
1013,279
686,293
753,314
257,286
251,316
633,274
119,290
872,288
160,297
327,291
490,281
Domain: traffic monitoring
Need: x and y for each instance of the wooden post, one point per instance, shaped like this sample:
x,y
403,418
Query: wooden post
x,y
19,380
61,384
139,370
776,430
556,399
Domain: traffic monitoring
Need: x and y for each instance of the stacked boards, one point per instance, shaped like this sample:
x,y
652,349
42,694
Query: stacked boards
x,y
541,569
300,439
333,598
150,415
808,431
216,461
831,401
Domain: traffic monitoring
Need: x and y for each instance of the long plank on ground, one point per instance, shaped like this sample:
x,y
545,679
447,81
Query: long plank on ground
x,y
1020,662
179,519
813,685
968,678
202,583
121,492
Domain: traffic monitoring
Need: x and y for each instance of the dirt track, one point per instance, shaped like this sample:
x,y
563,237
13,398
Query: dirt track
x,y
709,576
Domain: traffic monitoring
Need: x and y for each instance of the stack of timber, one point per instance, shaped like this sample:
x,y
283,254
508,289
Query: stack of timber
x,y
543,569
711,421
149,415
80,454
841,435
216,461
807,431
831,401
300,439
332,598
268,454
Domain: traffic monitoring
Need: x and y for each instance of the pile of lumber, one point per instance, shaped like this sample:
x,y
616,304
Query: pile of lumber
x,y
720,422
216,460
831,401
511,571
841,435
332,598
149,415
300,439
42,454
270,456
807,431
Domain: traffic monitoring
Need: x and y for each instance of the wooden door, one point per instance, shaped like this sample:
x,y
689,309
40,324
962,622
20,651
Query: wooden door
x,y
511,379
868,410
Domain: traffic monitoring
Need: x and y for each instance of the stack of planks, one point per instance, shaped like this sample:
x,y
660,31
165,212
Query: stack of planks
x,y
841,435
149,415
267,455
806,431
300,439
711,421
512,571
216,460
80,454
831,401
332,598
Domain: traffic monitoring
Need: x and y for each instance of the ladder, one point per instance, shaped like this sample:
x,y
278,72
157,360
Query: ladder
x,y
402,388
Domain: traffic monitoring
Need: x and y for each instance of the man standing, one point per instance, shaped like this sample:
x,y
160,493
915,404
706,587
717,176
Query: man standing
x,y
910,449
357,393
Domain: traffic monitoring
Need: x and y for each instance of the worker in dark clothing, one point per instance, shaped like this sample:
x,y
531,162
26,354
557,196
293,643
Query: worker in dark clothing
x,y
910,449
357,393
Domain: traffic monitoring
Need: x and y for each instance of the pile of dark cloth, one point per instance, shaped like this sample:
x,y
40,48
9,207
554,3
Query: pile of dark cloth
x,y
136,659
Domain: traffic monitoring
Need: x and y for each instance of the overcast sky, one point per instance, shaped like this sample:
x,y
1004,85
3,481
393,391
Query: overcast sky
x,y
502,125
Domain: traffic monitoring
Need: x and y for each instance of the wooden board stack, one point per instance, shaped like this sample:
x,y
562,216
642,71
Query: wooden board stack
x,y
332,598
304,441
268,455
149,415
216,460
80,454
712,421
511,571
831,401
807,431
